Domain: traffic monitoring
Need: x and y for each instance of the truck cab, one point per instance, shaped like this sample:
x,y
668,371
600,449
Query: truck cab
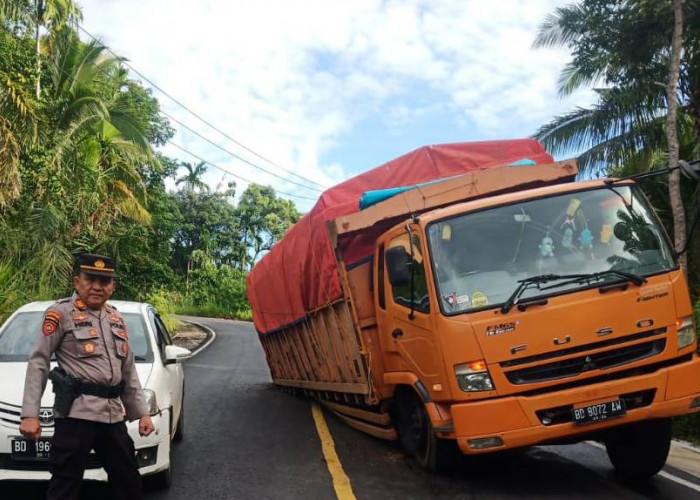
x,y
545,315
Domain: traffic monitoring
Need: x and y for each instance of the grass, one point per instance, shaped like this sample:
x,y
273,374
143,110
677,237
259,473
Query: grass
x,y
210,310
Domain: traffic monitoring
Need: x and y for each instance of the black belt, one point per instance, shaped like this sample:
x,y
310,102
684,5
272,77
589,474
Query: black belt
x,y
100,390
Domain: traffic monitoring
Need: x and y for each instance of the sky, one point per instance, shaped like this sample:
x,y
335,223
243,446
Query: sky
x,y
326,89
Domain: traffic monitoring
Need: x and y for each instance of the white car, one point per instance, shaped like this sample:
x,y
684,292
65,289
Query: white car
x,y
160,373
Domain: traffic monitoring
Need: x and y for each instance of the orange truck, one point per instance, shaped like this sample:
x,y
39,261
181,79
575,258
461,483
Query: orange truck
x,y
489,302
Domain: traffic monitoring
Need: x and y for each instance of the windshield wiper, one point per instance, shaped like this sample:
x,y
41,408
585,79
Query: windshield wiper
x,y
593,277
532,281
572,278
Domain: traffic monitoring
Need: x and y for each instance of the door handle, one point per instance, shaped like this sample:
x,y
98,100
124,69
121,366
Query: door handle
x,y
397,333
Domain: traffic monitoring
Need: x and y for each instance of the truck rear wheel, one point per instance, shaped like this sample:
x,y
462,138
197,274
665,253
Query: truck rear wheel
x,y
640,449
417,437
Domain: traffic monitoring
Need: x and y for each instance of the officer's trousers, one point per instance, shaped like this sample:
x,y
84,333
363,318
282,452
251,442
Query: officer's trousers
x,y
70,447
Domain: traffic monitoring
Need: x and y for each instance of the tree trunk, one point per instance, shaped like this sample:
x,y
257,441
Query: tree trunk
x,y
674,184
39,16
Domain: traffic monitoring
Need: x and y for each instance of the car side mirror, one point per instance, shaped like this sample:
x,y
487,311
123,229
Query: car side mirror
x,y
398,265
175,354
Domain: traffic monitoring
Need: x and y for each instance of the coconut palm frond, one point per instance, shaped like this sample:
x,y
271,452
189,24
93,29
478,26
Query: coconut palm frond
x,y
573,77
559,28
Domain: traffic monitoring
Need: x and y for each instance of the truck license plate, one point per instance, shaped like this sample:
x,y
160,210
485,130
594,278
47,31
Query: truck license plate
x,y
598,412
26,449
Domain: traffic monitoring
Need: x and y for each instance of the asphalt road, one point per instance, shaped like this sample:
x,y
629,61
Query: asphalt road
x,y
245,439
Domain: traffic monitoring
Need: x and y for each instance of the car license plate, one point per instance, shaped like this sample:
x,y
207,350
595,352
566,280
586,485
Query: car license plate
x,y
598,412
27,449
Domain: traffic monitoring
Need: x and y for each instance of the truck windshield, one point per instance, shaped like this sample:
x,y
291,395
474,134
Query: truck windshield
x,y
480,258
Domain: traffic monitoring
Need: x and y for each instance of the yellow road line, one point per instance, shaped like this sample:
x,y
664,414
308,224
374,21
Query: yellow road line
x,y
341,482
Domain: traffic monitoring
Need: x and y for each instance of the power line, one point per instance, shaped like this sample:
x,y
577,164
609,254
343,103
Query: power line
x,y
244,160
231,173
203,120
193,154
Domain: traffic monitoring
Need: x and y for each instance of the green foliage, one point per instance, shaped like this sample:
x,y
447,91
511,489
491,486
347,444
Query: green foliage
x,y
78,172
165,303
626,47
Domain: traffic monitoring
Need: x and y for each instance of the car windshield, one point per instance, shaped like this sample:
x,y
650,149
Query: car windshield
x,y
480,258
18,335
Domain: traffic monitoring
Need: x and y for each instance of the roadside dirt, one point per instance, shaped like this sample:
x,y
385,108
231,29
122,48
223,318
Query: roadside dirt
x,y
189,336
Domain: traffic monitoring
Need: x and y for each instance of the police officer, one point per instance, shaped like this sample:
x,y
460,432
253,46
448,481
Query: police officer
x,y
96,385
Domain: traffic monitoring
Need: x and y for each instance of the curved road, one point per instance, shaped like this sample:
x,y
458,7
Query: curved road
x,y
246,439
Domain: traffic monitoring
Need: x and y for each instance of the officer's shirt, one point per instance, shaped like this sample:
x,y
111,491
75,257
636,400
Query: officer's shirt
x,y
93,346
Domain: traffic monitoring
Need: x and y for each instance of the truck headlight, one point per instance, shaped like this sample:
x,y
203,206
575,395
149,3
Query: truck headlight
x,y
151,401
473,377
686,331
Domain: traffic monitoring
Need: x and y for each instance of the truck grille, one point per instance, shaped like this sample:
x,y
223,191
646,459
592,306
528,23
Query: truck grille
x,y
581,364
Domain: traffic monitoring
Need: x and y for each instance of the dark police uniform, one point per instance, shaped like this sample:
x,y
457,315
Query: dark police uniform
x,y
92,347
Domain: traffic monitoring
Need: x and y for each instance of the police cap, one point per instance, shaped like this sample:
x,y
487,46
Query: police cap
x,y
95,265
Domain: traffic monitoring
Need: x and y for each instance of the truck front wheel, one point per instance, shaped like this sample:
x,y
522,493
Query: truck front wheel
x,y
640,449
417,437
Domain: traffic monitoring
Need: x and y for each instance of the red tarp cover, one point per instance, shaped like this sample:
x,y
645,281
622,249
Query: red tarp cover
x,y
300,274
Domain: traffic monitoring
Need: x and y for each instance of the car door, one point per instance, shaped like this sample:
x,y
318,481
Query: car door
x,y
173,375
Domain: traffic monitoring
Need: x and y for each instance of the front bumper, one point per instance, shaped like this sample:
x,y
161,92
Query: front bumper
x,y
518,420
19,471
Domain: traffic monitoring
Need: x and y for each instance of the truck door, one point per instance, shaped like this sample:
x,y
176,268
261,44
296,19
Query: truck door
x,y
408,338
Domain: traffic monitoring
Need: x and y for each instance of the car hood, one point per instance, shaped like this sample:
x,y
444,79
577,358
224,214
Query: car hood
x,y
12,385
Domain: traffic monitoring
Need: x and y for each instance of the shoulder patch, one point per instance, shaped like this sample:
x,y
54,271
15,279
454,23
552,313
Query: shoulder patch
x,y
52,318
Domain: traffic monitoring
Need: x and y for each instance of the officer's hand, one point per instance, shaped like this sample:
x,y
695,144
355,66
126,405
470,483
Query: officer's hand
x,y
30,428
146,426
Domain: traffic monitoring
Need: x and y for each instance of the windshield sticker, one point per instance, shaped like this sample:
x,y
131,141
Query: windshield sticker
x,y
451,299
463,300
479,299
606,233
501,328
655,292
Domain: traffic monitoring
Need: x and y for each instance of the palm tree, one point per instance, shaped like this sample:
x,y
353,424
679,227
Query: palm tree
x,y
53,15
674,182
96,149
18,125
193,178
627,47
50,15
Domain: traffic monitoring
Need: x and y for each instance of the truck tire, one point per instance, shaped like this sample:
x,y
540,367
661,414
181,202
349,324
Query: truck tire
x,y
417,437
639,450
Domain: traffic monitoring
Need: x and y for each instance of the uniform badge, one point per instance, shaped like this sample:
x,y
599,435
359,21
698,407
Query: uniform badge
x,y
124,348
89,348
93,332
80,304
51,322
78,316
122,334
100,264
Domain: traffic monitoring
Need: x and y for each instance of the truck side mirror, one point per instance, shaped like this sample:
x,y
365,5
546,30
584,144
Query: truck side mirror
x,y
398,266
